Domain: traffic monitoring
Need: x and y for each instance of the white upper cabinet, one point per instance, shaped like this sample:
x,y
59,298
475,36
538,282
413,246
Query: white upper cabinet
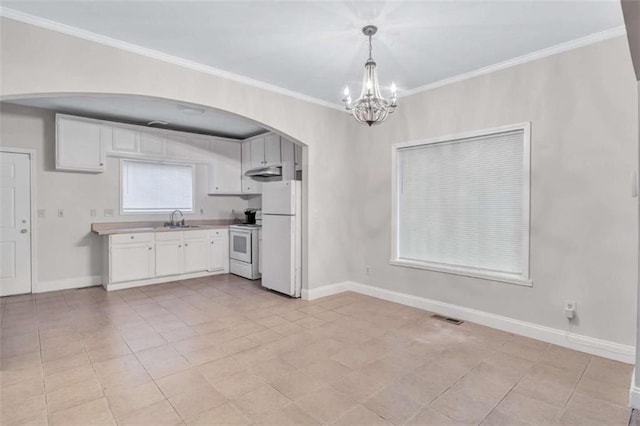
x,y
297,156
152,144
291,159
177,146
257,153
125,140
272,150
80,144
265,151
249,185
225,171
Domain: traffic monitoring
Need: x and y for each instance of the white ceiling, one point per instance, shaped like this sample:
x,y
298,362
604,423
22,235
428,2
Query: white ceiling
x,y
140,110
315,47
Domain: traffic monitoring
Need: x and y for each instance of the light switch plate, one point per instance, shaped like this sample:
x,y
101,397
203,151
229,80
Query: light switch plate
x,y
42,213
108,212
60,213
92,212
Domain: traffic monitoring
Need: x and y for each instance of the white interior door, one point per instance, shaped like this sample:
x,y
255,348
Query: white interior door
x,y
278,256
15,224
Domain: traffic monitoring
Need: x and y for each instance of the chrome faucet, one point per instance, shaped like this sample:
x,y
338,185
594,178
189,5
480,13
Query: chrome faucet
x,y
173,219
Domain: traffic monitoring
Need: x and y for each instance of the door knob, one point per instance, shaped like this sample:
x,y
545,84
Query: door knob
x,y
23,231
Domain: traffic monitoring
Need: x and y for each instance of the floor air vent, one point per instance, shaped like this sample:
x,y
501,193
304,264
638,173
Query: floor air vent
x,y
447,319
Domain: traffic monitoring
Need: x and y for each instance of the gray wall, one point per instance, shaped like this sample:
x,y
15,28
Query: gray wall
x,y
583,109
37,61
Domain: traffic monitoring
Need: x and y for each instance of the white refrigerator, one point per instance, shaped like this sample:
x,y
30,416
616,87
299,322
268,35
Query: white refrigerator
x,y
282,237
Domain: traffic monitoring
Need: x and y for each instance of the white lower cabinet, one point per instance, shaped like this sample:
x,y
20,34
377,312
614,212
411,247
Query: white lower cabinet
x,y
196,251
219,250
169,254
131,257
149,258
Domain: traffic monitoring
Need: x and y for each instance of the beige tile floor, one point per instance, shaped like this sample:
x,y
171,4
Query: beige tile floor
x,y
221,350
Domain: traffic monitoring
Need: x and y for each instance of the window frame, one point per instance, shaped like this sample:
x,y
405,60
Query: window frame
x,y
124,212
525,278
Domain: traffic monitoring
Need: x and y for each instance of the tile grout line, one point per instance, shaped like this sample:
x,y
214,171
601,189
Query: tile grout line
x,y
573,389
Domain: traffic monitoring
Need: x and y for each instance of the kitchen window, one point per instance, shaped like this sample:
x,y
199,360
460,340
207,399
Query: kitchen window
x,y
461,204
156,187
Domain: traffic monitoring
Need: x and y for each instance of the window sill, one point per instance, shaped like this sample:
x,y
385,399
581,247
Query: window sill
x,y
474,273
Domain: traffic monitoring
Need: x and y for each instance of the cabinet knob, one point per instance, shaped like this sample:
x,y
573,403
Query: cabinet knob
x,y
211,242
217,187
102,164
179,245
132,237
185,244
150,248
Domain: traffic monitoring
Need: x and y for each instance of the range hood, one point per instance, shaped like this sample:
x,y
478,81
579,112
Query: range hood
x,y
270,171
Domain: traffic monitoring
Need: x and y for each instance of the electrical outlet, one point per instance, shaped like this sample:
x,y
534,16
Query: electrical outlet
x,y
60,213
201,211
570,309
367,270
42,213
92,212
108,212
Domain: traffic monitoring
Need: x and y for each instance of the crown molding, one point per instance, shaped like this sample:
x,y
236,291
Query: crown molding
x,y
549,51
154,54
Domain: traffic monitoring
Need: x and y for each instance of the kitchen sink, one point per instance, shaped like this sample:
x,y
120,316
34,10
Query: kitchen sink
x,y
183,226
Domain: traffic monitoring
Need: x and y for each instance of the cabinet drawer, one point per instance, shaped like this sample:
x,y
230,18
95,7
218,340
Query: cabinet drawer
x,y
218,233
196,235
169,236
132,238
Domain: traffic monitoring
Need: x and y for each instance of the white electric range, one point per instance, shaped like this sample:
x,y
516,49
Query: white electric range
x,y
243,250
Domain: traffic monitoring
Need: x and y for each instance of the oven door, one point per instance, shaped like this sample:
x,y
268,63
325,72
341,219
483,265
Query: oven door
x,y
240,245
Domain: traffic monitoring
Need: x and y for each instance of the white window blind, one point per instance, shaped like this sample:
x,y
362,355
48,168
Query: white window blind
x,y
463,203
156,187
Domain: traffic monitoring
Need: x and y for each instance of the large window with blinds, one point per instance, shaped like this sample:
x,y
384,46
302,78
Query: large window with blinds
x,y
461,204
156,187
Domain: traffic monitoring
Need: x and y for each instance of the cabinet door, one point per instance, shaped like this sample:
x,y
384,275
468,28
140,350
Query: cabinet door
x,y
131,262
169,257
125,140
257,153
152,144
288,160
196,255
217,247
249,185
177,147
272,154
225,172
297,155
79,145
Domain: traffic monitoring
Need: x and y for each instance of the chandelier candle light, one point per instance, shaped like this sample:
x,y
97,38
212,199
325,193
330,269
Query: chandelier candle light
x,y
370,108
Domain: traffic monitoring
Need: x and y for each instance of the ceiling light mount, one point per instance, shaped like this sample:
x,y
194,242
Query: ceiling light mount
x,y
369,30
371,107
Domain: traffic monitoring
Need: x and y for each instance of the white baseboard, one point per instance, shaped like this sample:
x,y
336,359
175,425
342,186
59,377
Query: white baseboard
x,y
66,284
327,290
634,393
159,280
593,346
